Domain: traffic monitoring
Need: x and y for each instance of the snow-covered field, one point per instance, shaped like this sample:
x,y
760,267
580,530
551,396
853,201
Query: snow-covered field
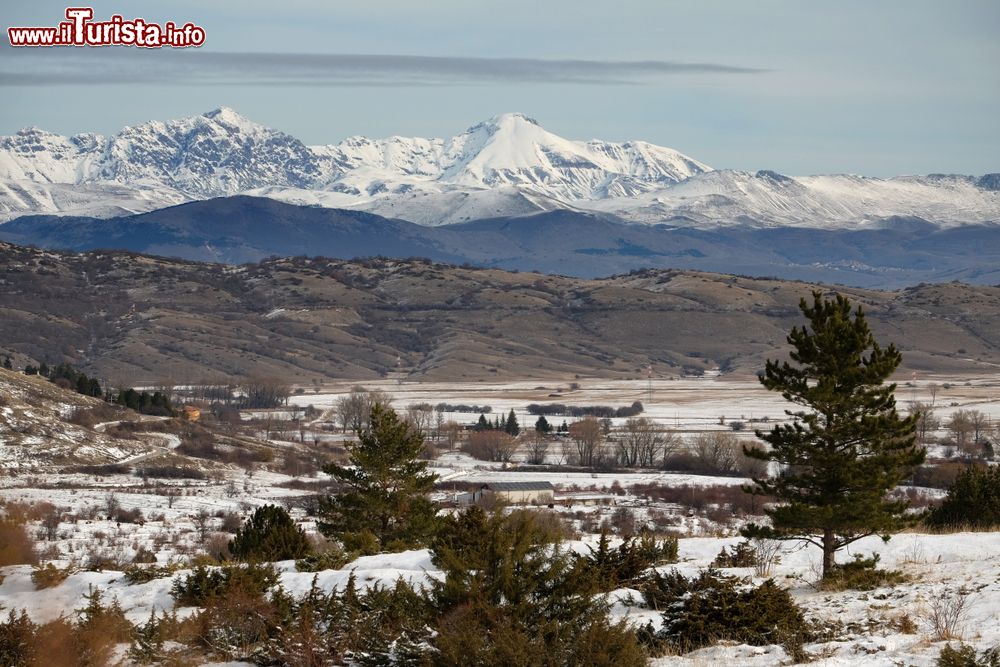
x,y
686,404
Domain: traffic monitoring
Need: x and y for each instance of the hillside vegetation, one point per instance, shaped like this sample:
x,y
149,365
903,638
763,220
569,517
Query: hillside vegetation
x,y
130,319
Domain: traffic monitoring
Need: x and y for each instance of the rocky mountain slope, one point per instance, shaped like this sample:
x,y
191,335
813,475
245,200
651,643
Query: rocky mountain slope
x,y
134,319
508,165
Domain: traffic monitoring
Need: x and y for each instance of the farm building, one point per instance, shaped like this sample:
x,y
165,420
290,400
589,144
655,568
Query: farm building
x,y
519,493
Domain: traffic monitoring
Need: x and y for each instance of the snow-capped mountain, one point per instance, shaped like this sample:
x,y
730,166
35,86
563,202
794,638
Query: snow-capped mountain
x,y
769,199
506,166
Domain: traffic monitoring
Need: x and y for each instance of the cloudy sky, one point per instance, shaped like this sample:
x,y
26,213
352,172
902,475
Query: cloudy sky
x,y
868,87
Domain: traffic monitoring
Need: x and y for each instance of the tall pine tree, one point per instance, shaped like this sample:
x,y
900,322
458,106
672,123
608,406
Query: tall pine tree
x,y
511,427
385,503
542,426
848,447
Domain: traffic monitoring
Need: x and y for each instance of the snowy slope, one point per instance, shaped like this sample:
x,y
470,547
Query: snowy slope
x,y
839,201
506,166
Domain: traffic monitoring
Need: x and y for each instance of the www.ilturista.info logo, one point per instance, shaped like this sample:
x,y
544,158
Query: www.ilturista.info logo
x,y
79,30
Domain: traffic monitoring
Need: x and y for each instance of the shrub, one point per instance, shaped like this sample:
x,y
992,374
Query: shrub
x,y
17,640
965,656
170,472
973,500
741,554
862,574
100,470
333,558
16,546
99,628
269,534
136,574
48,575
609,568
205,583
698,612
948,612
148,639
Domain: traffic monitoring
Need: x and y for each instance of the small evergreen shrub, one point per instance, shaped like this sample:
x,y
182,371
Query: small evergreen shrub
x,y
48,575
608,568
712,607
17,639
99,628
149,638
741,554
206,583
973,500
332,559
269,534
862,574
138,574
965,656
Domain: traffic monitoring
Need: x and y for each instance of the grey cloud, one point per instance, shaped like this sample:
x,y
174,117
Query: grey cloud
x,y
66,66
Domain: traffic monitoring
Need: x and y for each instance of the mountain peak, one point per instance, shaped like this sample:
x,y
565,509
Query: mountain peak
x,y
229,116
513,117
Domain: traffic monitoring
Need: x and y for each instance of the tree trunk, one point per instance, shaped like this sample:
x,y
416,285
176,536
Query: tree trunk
x,y
829,549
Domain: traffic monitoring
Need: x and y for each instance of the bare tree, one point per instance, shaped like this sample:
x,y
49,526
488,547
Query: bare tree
x,y
926,422
538,447
451,431
490,446
723,453
980,423
201,520
960,426
641,443
354,409
420,417
265,393
438,424
588,436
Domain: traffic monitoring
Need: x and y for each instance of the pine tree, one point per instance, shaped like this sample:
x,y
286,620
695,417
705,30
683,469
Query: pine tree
x,y
7,364
269,534
511,426
543,426
848,447
385,504
482,424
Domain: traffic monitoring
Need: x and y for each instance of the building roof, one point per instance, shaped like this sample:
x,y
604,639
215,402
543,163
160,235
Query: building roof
x,y
519,486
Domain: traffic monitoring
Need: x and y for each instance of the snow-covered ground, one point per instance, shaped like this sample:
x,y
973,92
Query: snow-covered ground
x,y
680,403
180,516
939,566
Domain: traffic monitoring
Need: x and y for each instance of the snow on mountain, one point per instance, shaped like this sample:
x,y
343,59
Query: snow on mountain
x,y
765,198
42,157
508,165
222,153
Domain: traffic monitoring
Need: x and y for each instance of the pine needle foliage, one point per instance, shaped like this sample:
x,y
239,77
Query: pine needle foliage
x,y
847,447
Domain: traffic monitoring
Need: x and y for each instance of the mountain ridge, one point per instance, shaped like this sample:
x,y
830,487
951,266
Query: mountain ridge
x,y
134,319
507,165
889,253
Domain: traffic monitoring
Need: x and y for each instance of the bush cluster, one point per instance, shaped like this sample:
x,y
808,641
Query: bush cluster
x,y
973,500
861,574
602,411
712,607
